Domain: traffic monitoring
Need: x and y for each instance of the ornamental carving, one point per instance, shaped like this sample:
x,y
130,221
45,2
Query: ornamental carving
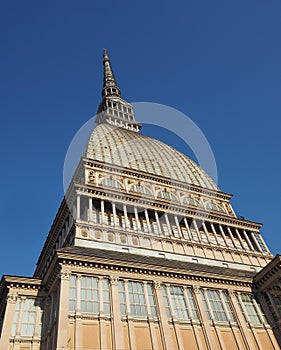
x,y
91,176
114,280
157,284
12,298
231,293
64,275
196,289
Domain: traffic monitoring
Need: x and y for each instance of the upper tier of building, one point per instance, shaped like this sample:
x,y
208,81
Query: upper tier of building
x,y
117,141
131,150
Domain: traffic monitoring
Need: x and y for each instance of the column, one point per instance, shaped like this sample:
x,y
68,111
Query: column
x,y
243,325
78,200
194,326
18,329
103,337
187,228
137,218
163,319
240,239
90,215
249,241
117,335
130,323
147,220
8,320
217,330
197,231
168,224
125,216
174,319
237,339
206,232
206,328
114,213
158,222
178,225
231,236
256,241
223,235
102,211
151,326
215,234
78,319
62,323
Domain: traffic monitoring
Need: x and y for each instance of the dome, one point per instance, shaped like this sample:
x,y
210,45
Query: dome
x,y
130,150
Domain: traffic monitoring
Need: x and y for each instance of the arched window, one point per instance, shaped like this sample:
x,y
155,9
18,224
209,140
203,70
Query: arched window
x,y
140,189
213,206
166,195
108,182
191,201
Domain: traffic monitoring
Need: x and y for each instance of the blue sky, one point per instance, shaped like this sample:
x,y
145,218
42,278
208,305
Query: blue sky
x,y
216,61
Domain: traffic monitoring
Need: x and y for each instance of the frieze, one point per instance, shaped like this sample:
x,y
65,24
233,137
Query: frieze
x,y
153,273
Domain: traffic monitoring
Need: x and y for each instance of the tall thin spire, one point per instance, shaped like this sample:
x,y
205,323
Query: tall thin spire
x,y
109,84
113,109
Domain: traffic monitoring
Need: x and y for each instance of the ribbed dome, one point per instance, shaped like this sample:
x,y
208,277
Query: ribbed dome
x,y
131,150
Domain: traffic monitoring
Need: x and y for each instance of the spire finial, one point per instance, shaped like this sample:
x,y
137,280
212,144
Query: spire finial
x,y
113,109
105,55
109,84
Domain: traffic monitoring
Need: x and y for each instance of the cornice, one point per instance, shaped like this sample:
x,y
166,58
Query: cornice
x,y
101,264
151,177
264,278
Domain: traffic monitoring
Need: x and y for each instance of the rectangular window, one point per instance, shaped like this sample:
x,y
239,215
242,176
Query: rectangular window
x,y
216,305
28,320
106,297
16,317
260,242
151,300
192,307
179,303
228,307
183,305
72,293
89,294
166,301
248,308
122,299
137,299
206,306
28,317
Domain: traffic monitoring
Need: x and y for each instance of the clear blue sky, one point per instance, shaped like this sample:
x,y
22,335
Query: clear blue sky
x,y
217,61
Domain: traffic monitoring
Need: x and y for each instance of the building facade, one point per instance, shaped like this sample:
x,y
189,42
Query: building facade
x,y
145,252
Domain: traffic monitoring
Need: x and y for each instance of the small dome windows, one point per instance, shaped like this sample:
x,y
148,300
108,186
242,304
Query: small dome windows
x,y
213,206
191,201
110,182
140,189
167,196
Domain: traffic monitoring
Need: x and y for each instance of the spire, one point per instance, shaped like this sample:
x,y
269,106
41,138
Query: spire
x,y
109,84
113,109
